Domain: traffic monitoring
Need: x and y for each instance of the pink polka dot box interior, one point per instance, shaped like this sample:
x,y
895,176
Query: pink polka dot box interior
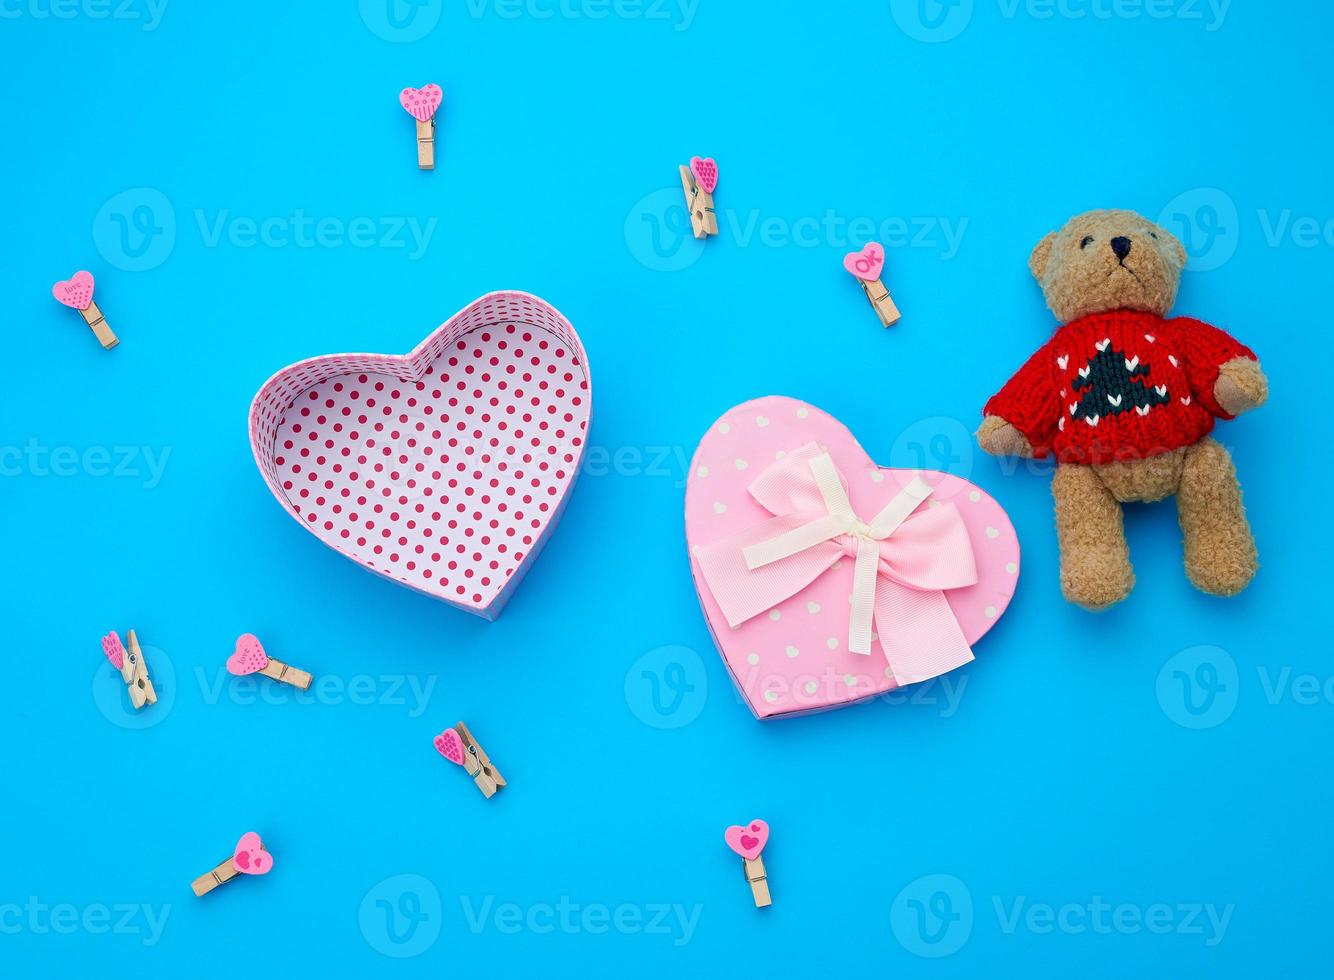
x,y
444,469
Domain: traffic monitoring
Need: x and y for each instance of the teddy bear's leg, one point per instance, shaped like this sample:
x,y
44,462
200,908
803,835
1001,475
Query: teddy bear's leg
x,y
1220,551
1095,560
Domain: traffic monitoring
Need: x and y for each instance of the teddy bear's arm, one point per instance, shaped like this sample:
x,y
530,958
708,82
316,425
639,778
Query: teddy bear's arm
x,y
1028,402
1224,374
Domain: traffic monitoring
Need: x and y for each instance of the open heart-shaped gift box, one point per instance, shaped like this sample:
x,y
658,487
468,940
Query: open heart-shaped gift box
x,y
444,469
826,579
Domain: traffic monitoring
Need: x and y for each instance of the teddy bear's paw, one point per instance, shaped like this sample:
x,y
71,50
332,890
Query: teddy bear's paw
x,y
1222,560
1097,579
1000,438
1241,386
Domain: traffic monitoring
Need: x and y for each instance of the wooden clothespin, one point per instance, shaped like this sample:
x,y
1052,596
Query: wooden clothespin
x,y
459,747
422,104
131,666
748,841
249,858
867,265
250,658
76,292
699,180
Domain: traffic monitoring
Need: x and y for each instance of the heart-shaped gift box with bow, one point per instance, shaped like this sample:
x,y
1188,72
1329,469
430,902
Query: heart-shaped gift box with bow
x,y
827,579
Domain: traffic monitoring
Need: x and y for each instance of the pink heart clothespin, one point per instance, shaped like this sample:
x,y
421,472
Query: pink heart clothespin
x,y
76,292
699,180
248,858
867,265
459,747
422,104
250,658
133,669
748,841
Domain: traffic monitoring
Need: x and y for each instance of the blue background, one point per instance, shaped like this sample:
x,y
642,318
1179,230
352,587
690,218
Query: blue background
x,y
1086,759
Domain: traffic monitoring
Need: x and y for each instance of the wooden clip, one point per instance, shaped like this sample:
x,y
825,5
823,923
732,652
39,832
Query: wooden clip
x,y
699,181
249,858
459,747
250,658
76,292
867,266
133,669
422,104
749,841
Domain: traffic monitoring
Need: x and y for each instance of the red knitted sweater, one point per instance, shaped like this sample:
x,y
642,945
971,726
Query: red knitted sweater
x,y
1120,385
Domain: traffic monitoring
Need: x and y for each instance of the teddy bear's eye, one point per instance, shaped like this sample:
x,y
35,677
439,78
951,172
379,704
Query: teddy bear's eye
x,y
1153,234
1088,240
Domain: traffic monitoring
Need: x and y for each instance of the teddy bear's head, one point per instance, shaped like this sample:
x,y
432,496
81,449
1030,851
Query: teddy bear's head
x,y
1108,260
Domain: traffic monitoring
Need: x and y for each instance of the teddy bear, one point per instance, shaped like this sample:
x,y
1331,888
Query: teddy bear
x,y
1125,399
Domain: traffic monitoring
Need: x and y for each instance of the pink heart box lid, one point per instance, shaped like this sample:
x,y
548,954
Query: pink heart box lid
x,y
794,660
444,469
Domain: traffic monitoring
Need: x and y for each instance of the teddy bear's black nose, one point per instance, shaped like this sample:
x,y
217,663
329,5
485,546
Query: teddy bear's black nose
x,y
1121,246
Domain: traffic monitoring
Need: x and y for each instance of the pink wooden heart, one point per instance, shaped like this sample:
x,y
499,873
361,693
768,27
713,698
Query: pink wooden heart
x,y
115,652
705,170
868,263
423,102
444,469
75,292
249,657
748,841
250,857
795,659
450,745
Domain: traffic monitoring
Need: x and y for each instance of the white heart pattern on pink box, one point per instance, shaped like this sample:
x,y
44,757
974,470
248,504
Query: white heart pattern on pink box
x,y
444,469
793,656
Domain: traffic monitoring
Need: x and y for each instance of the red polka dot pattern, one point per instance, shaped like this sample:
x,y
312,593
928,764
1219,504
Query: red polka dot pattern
x,y
446,478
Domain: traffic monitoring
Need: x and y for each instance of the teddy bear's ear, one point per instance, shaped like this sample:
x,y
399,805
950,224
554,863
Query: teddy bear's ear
x,y
1037,262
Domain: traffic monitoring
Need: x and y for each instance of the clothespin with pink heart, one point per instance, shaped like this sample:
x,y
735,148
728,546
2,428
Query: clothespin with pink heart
x,y
867,265
250,658
699,180
249,858
422,104
749,841
132,668
459,747
76,292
